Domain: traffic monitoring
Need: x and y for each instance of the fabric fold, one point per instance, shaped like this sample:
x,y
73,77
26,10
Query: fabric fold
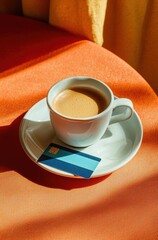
x,y
82,17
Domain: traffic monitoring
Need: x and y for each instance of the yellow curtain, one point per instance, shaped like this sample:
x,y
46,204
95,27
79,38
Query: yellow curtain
x,y
83,17
38,9
131,32
128,28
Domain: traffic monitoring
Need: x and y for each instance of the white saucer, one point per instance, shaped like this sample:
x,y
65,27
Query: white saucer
x,y
116,148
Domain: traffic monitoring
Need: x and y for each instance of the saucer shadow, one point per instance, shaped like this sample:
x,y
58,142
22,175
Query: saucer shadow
x,y
15,159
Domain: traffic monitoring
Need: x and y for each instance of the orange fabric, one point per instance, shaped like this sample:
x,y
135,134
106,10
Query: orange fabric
x,y
35,204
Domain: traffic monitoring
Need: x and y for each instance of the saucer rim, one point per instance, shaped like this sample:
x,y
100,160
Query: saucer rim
x,y
69,175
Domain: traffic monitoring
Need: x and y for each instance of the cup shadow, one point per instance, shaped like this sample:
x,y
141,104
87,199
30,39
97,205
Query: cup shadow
x,y
14,158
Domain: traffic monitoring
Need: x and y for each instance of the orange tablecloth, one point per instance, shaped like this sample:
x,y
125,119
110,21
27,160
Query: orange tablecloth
x,y
36,204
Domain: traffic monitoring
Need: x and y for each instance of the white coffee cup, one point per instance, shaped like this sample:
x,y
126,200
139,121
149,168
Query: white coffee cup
x,y
82,132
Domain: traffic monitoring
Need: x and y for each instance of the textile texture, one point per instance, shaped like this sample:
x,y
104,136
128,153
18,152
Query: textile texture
x,y
127,28
37,204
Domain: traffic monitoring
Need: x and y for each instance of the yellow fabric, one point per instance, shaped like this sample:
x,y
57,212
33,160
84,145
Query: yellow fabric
x,y
38,9
131,32
128,28
84,17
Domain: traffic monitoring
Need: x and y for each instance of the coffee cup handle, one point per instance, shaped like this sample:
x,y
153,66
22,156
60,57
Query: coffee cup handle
x,y
127,106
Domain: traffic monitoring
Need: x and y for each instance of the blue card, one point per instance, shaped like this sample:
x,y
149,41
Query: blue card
x,y
69,160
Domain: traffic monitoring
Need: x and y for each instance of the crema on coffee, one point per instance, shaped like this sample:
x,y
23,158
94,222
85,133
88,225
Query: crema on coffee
x,y
79,102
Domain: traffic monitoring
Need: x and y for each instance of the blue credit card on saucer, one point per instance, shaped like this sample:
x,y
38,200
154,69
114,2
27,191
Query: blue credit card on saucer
x,y
69,160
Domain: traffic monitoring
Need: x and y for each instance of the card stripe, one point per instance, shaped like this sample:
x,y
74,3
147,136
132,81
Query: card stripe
x,y
76,170
69,160
76,152
74,159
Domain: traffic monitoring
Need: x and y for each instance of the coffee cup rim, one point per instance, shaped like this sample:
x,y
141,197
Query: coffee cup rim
x,y
81,119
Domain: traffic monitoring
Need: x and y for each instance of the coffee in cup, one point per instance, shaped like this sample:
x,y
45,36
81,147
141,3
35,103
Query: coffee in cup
x,y
79,102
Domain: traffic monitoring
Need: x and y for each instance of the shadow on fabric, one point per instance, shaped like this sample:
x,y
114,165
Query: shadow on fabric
x,y
14,158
